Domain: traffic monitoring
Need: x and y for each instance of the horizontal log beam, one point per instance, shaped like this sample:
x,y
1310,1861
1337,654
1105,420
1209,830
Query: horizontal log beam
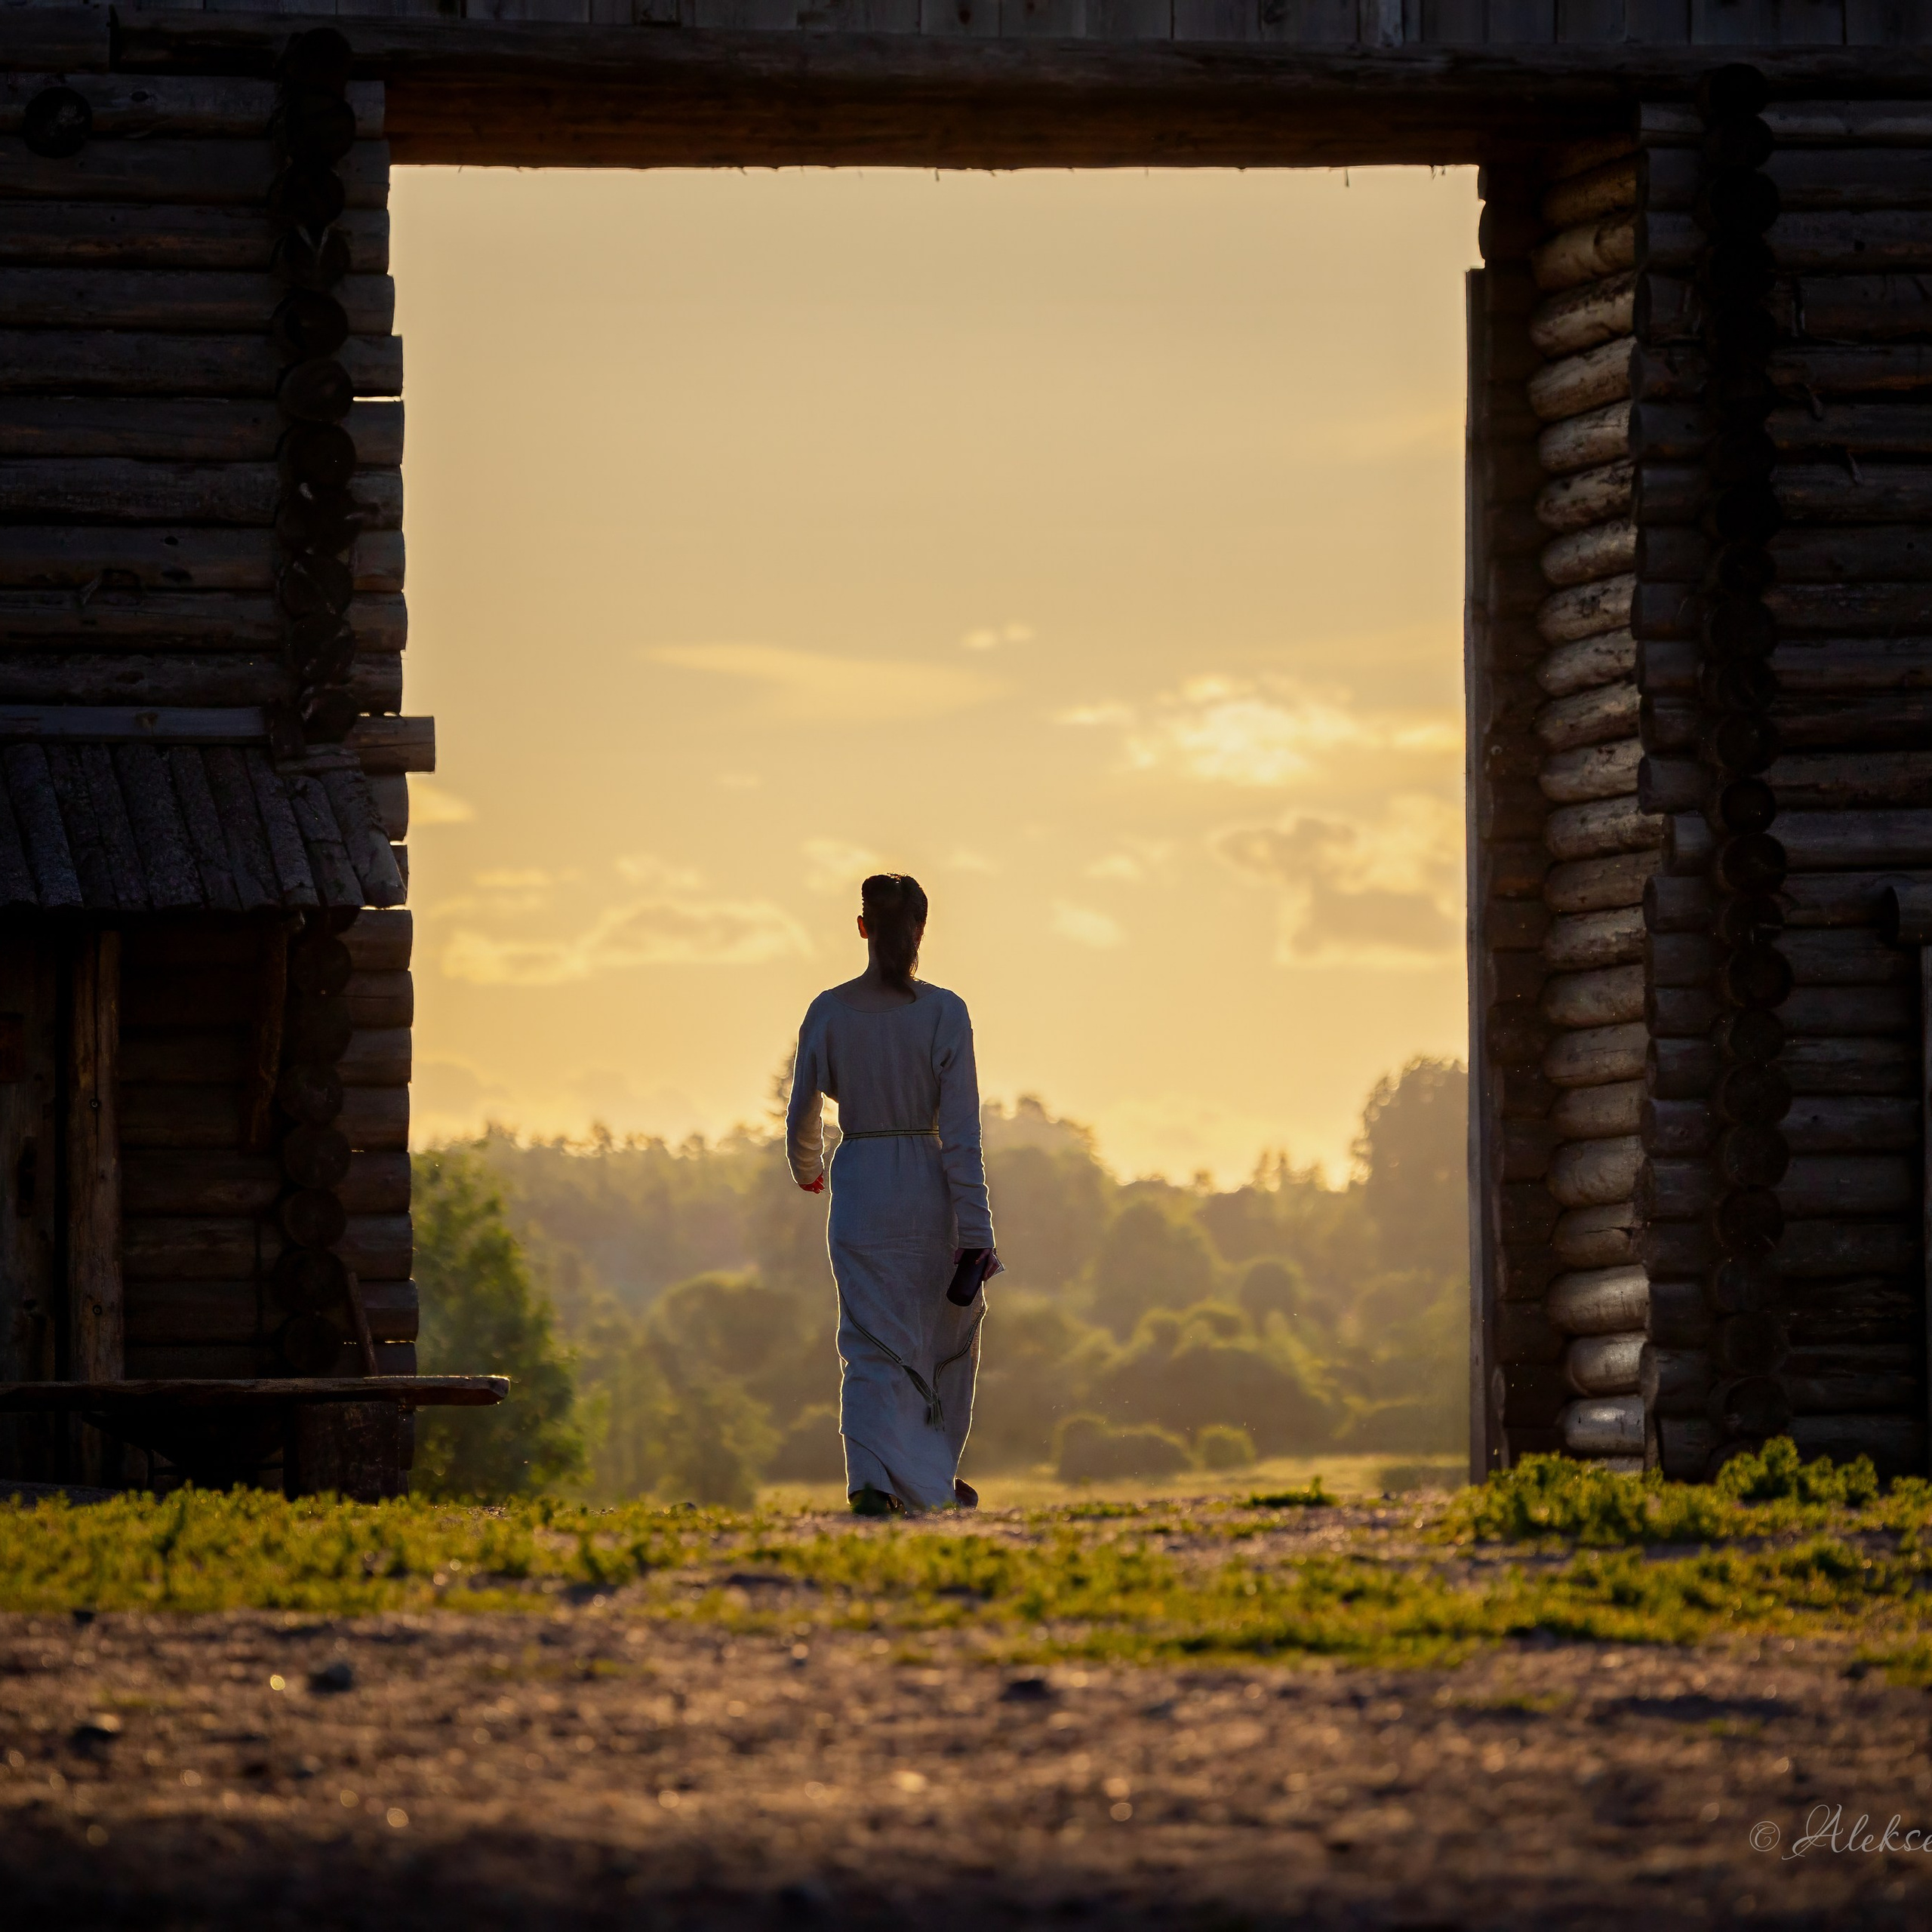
x,y
42,557
186,1314
127,361
193,620
197,432
124,491
138,106
233,173
474,91
123,234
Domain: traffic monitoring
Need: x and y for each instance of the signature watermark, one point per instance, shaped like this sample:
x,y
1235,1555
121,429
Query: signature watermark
x,y
1826,1828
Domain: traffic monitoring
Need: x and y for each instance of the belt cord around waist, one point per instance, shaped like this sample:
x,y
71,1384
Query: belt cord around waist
x,y
890,1133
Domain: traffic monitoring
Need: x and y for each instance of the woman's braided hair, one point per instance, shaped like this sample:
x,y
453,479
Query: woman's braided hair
x,y
894,906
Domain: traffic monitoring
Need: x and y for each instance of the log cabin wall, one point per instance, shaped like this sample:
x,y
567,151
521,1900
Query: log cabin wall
x,y
1600,843
1780,426
1732,387
202,773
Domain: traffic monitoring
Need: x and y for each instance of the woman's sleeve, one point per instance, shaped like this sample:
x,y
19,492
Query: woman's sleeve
x,y
804,1133
959,1125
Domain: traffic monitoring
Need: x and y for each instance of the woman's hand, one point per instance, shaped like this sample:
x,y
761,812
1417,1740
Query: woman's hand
x,y
814,1186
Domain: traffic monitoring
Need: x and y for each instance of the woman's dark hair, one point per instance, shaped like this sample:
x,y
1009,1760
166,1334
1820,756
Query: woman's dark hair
x,y
894,906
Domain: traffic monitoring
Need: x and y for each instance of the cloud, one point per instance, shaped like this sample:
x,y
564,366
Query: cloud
x,y
834,866
1385,894
811,684
503,880
677,924
1130,867
430,804
994,635
1266,733
1085,927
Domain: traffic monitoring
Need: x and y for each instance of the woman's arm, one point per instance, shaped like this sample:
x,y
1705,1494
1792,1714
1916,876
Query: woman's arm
x,y
959,1125
805,1131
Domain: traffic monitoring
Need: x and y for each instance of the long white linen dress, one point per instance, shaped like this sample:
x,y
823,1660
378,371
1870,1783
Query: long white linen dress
x,y
909,1189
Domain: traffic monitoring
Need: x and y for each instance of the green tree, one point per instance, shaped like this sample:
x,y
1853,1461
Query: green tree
x,y
482,1313
1149,1258
1414,1146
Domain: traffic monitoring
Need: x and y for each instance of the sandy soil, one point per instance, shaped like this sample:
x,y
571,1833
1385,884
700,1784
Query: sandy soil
x,y
583,1767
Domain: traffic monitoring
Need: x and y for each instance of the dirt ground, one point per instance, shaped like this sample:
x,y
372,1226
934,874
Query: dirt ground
x,y
587,1767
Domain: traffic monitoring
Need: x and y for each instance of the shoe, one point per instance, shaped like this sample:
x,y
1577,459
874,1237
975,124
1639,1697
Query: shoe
x,y
870,1502
968,1496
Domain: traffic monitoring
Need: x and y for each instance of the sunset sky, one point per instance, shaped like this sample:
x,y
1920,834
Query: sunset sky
x,y
1089,544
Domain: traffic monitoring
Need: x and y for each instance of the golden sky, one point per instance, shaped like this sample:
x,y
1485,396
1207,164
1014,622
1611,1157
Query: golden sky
x,y
1089,544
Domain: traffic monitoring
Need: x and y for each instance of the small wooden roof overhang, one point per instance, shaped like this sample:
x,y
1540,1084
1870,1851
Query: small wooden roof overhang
x,y
121,811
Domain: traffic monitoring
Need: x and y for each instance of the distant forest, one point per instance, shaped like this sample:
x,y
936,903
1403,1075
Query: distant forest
x,y
668,1310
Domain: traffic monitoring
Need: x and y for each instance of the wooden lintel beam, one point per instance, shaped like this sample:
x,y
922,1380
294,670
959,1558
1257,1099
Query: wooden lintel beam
x,y
533,94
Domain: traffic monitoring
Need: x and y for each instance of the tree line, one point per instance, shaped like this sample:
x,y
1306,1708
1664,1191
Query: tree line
x,y
667,1310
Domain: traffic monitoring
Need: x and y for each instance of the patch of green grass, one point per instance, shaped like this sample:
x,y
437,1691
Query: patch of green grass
x,y
1769,1494
1822,1556
1312,1496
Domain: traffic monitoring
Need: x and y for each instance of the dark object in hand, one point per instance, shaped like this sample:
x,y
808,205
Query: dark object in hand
x,y
968,1277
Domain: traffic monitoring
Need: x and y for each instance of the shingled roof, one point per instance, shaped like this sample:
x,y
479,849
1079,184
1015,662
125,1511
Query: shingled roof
x,y
108,810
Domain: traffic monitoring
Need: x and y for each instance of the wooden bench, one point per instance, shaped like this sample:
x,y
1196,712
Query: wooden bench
x,y
337,1434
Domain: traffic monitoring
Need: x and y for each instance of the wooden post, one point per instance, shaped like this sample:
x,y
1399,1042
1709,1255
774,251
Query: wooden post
x,y
96,1316
1905,917
1485,1424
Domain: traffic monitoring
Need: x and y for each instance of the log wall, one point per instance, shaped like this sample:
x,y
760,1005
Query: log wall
x,y
1708,1177
201,440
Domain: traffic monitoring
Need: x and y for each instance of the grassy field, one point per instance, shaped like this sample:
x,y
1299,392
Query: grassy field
x,y
1283,1573
1352,1477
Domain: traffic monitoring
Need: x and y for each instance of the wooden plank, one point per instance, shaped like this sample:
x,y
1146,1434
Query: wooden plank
x,y
395,744
83,834
1521,22
376,1056
191,620
1734,23
219,888
31,792
336,878
211,1247
184,1314
381,942
173,880
249,856
157,301
197,432
31,1289
264,1038
1887,23
16,880
96,762
108,724
96,1308
364,836
143,105
219,172
375,1118
188,1393
71,556
124,235
220,1181
129,362
85,489
292,873
1591,23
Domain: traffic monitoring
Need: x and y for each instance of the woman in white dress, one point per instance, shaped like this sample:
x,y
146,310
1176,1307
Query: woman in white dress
x,y
911,1234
